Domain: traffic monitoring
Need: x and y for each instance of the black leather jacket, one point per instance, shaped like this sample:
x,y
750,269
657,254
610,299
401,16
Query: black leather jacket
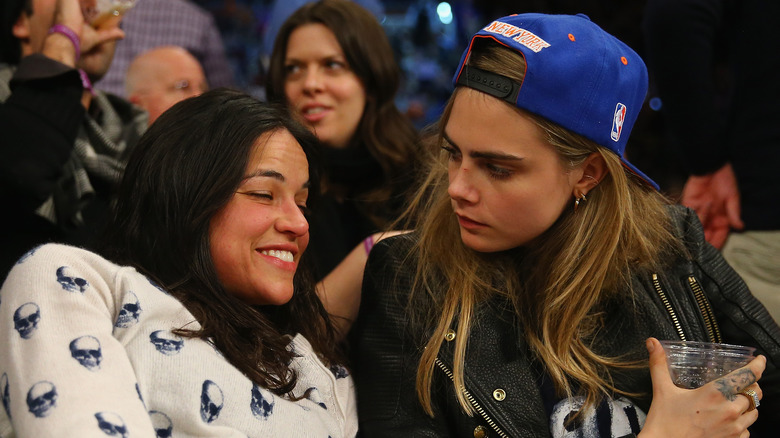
x,y
500,379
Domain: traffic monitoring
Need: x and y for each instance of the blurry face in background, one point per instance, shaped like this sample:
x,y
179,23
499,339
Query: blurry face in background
x,y
32,30
162,77
321,87
507,185
258,238
96,52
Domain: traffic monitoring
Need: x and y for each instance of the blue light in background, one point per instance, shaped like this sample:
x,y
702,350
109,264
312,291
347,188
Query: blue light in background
x,y
444,11
656,104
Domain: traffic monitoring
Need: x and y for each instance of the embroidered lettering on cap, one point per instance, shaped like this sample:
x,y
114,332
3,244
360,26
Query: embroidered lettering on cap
x,y
501,28
617,121
531,41
522,36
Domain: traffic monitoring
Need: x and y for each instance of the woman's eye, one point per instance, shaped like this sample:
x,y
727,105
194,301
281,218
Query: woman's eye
x,y
452,152
498,172
260,195
291,69
334,65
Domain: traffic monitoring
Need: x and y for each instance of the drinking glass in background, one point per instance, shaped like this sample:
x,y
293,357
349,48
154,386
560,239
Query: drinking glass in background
x,y
693,364
98,12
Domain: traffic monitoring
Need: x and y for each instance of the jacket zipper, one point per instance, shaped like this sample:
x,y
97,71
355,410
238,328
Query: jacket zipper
x,y
713,332
669,308
472,401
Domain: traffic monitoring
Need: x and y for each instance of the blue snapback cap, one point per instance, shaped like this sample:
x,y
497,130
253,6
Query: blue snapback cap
x,y
577,75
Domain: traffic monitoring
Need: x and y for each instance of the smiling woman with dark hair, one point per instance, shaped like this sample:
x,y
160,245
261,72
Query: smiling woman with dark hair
x,y
202,319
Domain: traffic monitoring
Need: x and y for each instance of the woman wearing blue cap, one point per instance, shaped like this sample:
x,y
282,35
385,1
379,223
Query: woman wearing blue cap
x,y
545,266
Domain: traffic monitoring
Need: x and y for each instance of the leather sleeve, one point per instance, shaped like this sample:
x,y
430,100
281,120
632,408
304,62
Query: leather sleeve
x,y
742,319
39,123
385,360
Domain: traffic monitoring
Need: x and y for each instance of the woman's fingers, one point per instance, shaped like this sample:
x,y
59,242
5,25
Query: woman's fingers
x,y
752,395
735,382
659,370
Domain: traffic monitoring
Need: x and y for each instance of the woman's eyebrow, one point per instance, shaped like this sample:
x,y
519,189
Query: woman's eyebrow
x,y
449,140
488,155
269,173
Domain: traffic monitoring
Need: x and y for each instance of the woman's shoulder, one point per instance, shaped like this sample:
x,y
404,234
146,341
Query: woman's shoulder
x,y
59,257
71,268
390,270
394,249
682,217
686,227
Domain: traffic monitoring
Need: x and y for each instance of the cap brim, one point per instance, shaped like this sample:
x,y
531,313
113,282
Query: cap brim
x,y
639,173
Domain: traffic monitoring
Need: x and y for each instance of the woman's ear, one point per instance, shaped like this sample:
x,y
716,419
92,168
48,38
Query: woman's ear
x,y
593,170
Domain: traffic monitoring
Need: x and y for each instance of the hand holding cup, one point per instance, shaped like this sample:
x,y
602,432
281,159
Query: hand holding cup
x,y
717,409
99,12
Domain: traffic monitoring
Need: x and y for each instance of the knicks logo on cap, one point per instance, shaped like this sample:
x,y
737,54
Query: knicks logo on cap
x,y
617,121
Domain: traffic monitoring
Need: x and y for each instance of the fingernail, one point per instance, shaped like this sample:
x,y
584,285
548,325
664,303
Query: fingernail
x,y
650,345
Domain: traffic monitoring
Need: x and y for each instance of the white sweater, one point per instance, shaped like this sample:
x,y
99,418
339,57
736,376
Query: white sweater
x,y
86,350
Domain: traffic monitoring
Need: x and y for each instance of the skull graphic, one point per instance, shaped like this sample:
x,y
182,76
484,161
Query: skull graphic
x,y
26,319
339,371
166,342
42,398
313,394
69,281
162,424
86,350
130,311
211,401
262,404
111,424
5,391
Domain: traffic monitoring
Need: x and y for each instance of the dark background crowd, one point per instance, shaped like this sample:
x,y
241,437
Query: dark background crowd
x,y
428,38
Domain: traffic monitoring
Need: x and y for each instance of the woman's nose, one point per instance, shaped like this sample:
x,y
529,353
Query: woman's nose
x,y
292,220
313,80
461,187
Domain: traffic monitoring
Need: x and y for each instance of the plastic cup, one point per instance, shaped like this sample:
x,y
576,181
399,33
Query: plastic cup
x,y
693,364
97,12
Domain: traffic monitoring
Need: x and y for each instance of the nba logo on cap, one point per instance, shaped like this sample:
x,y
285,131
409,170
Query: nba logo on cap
x,y
617,121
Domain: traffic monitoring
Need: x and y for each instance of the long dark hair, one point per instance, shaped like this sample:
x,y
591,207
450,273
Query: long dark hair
x,y
182,172
384,131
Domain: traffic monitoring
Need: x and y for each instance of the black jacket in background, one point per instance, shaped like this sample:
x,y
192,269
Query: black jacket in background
x,y
38,126
42,124
715,64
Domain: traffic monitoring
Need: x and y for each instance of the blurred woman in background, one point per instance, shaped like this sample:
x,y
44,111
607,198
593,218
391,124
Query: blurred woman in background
x,y
333,65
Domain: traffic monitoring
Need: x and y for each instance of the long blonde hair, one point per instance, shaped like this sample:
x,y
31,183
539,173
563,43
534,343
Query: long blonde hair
x,y
557,282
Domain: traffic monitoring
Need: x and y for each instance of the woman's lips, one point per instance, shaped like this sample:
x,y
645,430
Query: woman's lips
x,y
468,223
314,113
283,259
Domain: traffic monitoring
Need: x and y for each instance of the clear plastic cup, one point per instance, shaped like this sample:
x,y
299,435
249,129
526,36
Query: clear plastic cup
x,y
693,364
97,12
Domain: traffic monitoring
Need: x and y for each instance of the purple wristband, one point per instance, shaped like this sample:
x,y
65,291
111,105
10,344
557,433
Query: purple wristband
x,y
68,32
368,243
85,81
